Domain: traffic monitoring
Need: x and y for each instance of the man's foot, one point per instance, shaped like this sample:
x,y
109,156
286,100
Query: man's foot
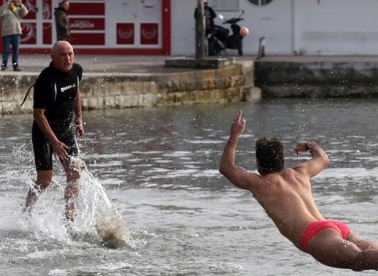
x,y
3,68
68,219
68,214
26,210
16,69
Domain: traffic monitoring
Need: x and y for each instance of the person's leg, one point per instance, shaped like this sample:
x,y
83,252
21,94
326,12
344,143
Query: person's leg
x,y
72,168
43,162
361,243
6,45
15,49
330,249
43,181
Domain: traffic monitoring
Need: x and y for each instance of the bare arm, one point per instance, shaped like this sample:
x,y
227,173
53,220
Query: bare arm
x,y
59,148
318,162
79,116
236,174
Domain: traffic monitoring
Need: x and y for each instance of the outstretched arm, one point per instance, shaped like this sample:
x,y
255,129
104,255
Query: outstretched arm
x,y
237,175
318,162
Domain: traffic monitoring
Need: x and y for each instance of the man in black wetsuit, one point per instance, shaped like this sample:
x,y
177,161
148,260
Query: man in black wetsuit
x,y
57,100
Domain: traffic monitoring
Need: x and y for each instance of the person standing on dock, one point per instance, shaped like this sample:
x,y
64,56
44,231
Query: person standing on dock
x,y
62,22
209,15
11,13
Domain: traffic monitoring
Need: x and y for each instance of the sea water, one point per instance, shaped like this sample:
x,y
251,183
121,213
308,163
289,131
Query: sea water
x,y
150,178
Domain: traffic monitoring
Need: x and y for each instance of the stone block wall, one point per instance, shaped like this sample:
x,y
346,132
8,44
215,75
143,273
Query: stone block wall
x,y
317,79
120,90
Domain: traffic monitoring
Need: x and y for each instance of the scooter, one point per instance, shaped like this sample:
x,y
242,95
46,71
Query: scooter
x,y
219,39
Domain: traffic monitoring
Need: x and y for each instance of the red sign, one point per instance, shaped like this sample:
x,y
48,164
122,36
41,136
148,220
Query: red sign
x,y
47,10
47,33
88,39
31,5
96,24
149,33
125,33
29,33
87,8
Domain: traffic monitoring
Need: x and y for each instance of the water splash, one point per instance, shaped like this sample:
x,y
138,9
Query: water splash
x,y
95,211
96,221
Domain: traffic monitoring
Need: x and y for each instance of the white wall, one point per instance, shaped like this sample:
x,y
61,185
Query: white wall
x,y
182,22
308,27
274,21
336,27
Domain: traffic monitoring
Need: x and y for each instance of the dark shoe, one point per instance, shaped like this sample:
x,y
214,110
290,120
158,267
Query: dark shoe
x,y
3,68
16,69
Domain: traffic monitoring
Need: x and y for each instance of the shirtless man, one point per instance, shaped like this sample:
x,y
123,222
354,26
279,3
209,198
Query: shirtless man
x,y
285,194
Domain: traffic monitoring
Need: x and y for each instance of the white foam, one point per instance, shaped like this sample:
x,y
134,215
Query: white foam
x,y
96,210
96,218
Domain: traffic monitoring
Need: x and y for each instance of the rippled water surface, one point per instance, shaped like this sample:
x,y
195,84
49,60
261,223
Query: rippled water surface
x,y
159,169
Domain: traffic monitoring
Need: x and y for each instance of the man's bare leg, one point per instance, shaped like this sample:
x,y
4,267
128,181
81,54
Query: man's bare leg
x,y
330,249
361,243
71,193
43,181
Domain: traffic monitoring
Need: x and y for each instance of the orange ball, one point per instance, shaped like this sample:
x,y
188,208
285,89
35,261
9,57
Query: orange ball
x,y
244,31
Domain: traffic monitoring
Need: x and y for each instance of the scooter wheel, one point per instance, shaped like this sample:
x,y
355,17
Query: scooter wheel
x,y
214,49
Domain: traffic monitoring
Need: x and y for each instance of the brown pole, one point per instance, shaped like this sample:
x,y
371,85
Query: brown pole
x,y
200,31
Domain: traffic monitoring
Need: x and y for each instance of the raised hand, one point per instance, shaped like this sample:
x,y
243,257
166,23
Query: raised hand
x,y
238,125
303,146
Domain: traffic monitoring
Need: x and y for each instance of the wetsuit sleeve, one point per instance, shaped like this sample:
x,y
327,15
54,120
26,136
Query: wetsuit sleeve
x,y
78,71
42,94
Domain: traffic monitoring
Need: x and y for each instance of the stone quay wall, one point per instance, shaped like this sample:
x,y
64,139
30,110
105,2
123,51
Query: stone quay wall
x,y
317,79
244,80
122,90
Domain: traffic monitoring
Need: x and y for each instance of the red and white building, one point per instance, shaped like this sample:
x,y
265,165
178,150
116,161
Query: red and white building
x,y
166,27
101,27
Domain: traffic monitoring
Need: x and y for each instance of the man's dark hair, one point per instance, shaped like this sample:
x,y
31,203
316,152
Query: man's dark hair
x,y
270,154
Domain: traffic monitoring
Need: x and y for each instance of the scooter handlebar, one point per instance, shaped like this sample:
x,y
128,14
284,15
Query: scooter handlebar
x,y
233,20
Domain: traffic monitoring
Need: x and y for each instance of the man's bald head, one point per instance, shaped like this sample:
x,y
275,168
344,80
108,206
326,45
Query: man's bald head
x,y
62,55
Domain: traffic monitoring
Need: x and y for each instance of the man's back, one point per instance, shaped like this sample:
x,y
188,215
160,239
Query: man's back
x,y
285,194
287,199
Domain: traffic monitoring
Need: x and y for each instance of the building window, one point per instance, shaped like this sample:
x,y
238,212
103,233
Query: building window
x,y
260,2
224,5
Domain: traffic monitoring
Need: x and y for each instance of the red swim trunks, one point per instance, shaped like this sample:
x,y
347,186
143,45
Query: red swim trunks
x,y
314,228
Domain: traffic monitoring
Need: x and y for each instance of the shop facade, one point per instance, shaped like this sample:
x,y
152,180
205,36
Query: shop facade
x,y
167,27
131,27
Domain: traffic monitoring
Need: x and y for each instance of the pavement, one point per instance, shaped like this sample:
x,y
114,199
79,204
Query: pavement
x,y
98,64
142,65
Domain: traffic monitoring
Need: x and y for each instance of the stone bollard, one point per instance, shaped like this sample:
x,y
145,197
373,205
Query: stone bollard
x,y
261,52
